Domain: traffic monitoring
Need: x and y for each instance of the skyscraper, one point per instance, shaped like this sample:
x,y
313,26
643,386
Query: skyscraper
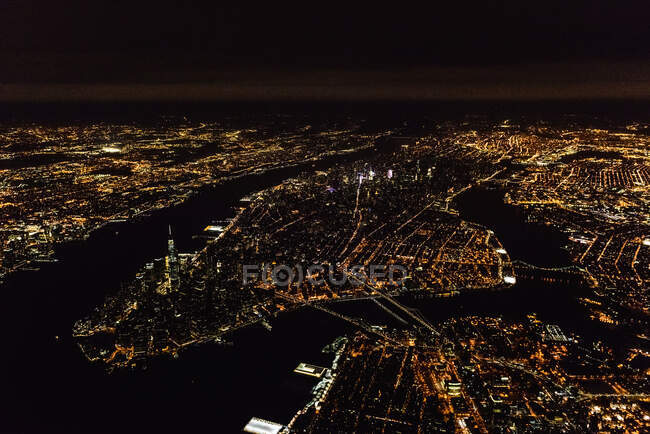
x,y
172,262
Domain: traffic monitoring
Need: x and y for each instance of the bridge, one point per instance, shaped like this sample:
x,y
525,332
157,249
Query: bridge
x,y
363,326
641,396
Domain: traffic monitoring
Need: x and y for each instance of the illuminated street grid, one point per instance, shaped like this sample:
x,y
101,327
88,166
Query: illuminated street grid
x,y
394,205
482,375
600,197
58,183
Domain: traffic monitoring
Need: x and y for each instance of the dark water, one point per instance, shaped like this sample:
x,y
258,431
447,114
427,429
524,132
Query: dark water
x,y
532,243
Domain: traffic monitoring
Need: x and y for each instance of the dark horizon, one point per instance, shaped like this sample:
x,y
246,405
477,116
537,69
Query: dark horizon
x,y
525,82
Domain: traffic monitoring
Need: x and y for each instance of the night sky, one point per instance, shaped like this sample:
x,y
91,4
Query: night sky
x,y
322,50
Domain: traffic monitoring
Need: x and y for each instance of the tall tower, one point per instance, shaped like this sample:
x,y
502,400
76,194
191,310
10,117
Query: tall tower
x,y
172,262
